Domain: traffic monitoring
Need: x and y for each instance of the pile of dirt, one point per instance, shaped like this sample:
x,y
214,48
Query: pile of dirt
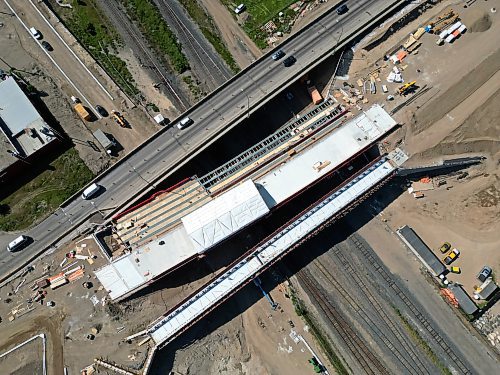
x,y
482,24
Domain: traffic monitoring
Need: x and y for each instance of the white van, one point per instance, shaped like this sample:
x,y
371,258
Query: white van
x,y
17,243
90,191
185,122
35,33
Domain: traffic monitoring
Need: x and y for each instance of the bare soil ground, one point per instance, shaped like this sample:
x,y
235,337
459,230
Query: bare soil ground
x,y
239,43
457,117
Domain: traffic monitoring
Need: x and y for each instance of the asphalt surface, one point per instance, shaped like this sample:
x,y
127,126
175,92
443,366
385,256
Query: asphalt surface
x,y
162,155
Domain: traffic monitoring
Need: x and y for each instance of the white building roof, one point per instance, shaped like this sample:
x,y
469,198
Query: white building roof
x,y
225,215
343,143
18,114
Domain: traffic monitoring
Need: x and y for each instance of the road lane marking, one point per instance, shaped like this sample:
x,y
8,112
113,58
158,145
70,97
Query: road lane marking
x,y
72,52
51,59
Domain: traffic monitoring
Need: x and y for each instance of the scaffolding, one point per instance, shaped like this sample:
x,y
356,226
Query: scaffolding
x,y
270,143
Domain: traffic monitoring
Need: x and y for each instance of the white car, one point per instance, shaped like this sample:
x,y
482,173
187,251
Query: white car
x,y
240,9
36,34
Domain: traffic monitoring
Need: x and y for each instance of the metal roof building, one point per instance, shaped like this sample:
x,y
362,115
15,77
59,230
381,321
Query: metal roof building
x,y
20,122
421,250
464,301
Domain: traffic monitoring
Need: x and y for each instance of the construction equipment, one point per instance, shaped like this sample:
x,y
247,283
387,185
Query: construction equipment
x,y
316,366
455,269
407,88
257,282
119,119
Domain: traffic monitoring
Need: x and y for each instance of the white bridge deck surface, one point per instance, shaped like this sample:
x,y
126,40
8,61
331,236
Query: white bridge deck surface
x,y
343,143
142,265
167,327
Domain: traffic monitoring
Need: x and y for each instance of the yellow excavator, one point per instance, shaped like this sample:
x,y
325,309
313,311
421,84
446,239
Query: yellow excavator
x,y
407,88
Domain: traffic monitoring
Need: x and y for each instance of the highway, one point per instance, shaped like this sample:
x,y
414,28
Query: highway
x,y
212,118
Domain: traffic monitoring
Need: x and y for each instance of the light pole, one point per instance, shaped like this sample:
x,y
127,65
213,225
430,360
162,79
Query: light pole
x,y
248,103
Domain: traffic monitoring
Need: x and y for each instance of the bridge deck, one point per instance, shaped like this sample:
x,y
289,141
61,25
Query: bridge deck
x,y
258,259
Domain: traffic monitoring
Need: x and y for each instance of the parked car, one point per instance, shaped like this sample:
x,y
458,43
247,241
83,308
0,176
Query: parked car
x,y
484,274
445,247
47,46
36,34
289,61
455,269
101,111
451,256
278,55
240,9
342,9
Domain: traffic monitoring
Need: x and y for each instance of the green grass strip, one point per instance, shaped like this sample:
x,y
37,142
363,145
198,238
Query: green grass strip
x,y
157,32
415,335
43,194
319,335
210,31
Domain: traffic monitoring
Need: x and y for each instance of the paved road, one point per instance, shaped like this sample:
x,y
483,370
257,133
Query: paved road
x,y
164,154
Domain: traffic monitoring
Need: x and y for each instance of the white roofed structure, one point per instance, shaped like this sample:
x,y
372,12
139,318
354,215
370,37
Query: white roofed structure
x,y
217,217
224,216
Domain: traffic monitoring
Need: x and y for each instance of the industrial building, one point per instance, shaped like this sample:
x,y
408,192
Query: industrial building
x,y
25,133
181,223
421,250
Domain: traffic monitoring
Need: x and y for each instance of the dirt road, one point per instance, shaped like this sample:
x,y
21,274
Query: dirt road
x,y
239,43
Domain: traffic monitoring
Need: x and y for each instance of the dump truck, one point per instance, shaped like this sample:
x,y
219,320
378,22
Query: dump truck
x,y
82,112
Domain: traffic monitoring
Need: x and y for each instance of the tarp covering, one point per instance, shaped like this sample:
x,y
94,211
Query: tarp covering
x,y
225,215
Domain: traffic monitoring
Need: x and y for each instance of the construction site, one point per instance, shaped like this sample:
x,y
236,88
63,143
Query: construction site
x,y
349,240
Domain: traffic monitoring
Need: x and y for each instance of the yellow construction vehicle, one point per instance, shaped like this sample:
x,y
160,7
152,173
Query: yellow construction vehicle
x,y
119,119
407,88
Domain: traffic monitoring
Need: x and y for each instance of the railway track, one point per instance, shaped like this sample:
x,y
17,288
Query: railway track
x,y
179,101
367,360
216,73
415,366
461,366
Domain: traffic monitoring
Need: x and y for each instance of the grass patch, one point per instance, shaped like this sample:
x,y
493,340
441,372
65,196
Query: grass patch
x,y
262,11
210,31
320,336
157,32
194,87
94,31
66,175
415,335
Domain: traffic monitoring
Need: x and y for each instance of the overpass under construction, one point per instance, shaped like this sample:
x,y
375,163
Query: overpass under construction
x,y
261,257
182,223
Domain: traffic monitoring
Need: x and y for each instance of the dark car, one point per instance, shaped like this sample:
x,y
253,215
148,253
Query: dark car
x,y
342,9
484,274
47,46
289,61
278,55
101,111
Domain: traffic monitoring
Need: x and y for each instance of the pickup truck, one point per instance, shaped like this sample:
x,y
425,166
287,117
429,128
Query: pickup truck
x,y
451,256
